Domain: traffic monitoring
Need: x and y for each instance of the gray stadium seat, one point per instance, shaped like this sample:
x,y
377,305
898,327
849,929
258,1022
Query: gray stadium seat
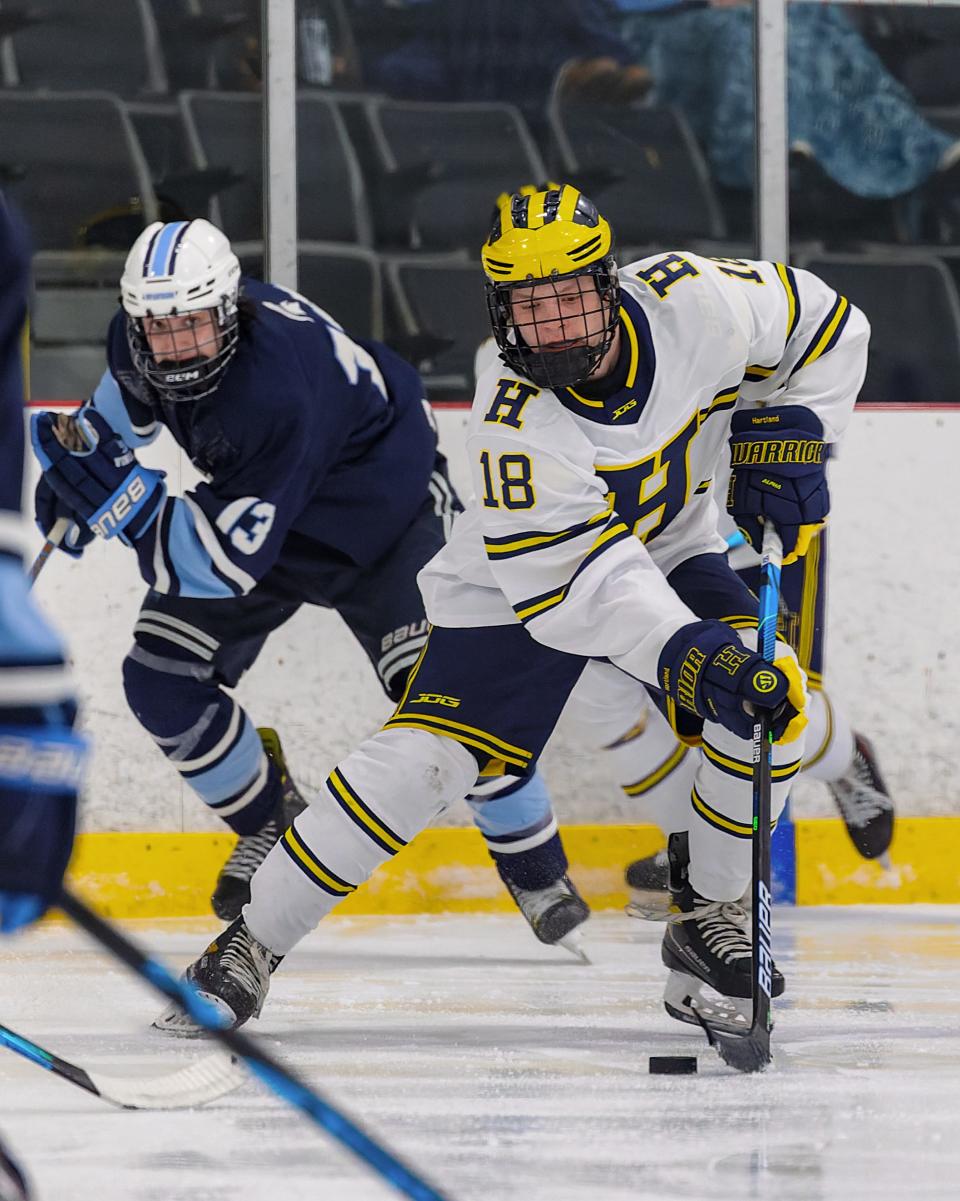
x,y
442,308
641,166
914,311
345,281
444,165
65,372
225,131
68,158
73,44
69,315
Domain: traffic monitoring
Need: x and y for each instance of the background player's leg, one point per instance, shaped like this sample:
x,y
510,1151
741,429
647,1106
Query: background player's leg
x,y
842,758
611,713
847,763
517,822
185,654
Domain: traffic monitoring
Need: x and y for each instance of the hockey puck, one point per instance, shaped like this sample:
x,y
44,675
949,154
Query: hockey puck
x,y
673,1065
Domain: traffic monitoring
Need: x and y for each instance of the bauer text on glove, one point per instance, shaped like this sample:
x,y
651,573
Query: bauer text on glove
x,y
103,483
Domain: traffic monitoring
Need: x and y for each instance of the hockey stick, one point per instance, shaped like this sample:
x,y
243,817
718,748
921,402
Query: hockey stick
x,y
750,1051
57,534
199,1082
279,1079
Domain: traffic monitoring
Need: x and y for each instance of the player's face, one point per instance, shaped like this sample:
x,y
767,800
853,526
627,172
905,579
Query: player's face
x,y
183,339
558,316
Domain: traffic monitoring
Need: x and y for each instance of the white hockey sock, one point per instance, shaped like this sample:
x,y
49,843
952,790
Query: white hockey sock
x,y
656,772
373,803
721,818
829,745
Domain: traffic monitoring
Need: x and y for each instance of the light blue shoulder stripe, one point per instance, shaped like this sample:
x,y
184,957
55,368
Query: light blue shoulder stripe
x,y
109,404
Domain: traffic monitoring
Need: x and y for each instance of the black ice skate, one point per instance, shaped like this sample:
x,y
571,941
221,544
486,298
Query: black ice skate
x,y
233,884
554,913
864,802
649,882
233,975
707,944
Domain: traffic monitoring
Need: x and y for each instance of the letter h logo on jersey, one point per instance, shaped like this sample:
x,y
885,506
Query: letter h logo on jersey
x,y
508,403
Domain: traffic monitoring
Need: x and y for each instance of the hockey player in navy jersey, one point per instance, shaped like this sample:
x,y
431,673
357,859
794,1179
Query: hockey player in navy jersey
x,y
593,544
323,485
40,755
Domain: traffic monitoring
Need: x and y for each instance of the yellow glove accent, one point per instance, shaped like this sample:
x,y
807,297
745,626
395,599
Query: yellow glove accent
x,y
796,695
805,535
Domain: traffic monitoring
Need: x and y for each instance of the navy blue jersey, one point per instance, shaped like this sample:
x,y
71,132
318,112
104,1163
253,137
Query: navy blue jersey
x,y
310,433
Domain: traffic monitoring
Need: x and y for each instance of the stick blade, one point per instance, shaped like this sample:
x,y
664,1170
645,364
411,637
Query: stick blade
x,y
745,1052
205,1080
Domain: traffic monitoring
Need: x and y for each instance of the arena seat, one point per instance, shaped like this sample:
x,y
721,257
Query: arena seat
x,y
912,304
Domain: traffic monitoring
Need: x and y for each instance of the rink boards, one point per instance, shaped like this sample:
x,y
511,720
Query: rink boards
x,y
891,665
449,870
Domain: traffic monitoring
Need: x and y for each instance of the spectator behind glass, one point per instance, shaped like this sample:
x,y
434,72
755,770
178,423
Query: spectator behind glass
x,y
845,109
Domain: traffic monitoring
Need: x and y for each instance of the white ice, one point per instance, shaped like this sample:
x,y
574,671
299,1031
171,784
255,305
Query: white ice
x,y
505,1071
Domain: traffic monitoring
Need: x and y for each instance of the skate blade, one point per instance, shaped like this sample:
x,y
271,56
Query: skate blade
x,y
174,1020
573,942
685,1000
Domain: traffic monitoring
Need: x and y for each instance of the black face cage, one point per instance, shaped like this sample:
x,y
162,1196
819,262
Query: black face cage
x,y
188,378
565,366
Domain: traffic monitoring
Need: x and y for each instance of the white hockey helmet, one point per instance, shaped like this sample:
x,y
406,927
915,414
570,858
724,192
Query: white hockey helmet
x,y
174,269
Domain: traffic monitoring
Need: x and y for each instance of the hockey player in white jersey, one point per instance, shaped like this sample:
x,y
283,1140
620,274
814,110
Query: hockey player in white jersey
x,y
593,539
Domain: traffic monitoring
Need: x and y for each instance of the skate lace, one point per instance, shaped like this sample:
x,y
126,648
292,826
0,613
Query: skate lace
x,y
250,851
857,795
722,928
247,960
536,902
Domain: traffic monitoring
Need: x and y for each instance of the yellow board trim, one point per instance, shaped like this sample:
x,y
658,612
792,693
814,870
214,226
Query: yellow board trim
x,y
137,875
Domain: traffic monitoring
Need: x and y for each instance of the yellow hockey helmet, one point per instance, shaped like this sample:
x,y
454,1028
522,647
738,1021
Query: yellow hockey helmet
x,y
540,237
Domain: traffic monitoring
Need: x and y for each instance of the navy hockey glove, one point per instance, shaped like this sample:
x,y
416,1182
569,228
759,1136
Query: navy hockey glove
x,y
777,461
41,763
41,758
704,669
103,482
49,508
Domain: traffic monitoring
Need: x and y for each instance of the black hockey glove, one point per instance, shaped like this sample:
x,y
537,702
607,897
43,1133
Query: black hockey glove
x,y
704,669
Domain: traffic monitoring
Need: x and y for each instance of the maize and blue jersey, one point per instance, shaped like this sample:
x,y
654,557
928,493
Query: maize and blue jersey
x,y
589,499
311,435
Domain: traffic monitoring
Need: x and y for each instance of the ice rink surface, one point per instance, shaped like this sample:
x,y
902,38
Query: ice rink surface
x,y
506,1071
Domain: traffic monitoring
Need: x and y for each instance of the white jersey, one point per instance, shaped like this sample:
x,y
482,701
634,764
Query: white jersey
x,y
585,501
